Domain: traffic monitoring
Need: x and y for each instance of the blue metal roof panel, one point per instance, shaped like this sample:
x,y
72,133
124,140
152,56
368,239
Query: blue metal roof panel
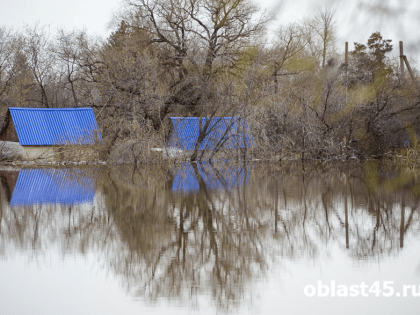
x,y
52,186
52,126
225,132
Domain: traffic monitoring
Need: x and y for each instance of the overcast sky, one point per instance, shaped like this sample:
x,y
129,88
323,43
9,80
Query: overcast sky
x,y
356,19
90,14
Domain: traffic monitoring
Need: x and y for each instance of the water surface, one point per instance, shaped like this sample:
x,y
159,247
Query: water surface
x,y
205,238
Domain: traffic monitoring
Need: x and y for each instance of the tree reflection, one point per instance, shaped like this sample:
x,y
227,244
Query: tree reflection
x,y
53,214
219,240
202,229
184,243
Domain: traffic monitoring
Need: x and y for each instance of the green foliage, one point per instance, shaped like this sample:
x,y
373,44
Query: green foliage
x,y
369,61
298,63
374,52
379,47
244,59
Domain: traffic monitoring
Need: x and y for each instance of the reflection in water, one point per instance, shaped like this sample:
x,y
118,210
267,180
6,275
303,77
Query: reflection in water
x,y
232,226
52,186
187,176
43,209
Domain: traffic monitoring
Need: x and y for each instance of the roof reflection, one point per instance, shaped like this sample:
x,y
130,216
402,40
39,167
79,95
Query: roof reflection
x,y
189,176
52,186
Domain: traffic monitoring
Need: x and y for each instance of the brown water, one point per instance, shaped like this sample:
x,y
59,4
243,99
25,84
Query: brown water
x,y
237,239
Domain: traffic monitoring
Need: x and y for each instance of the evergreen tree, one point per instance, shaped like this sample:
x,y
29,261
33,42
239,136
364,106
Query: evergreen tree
x,y
369,60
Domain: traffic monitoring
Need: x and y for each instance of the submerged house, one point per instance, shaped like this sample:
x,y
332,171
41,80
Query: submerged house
x,y
49,133
219,133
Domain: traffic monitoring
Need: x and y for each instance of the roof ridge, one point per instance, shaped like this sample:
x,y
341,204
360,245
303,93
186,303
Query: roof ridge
x,y
53,109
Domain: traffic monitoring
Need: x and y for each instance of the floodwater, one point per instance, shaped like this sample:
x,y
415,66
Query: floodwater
x,y
318,238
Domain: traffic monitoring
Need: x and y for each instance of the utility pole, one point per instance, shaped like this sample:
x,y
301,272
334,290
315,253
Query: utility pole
x,y
401,59
346,58
346,65
409,68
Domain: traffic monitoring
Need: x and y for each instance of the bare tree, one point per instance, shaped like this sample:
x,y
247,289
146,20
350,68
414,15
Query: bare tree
x,y
323,24
6,56
290,51
68,53
17,84
220,28
36,48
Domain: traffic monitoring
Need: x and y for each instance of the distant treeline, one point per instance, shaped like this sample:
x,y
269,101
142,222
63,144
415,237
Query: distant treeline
x,y
215,58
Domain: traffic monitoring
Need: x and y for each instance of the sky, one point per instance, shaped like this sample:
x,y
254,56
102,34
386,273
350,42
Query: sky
x,y
93,15
356,19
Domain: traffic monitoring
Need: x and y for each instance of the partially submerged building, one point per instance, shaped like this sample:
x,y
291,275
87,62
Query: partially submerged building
x,y
49,134
219,133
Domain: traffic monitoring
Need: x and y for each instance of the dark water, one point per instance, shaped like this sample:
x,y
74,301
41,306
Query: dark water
x,y
240,239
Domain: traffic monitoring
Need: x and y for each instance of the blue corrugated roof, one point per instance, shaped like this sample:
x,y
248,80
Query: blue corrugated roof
x,y
52,126
225,132
52,186
226,177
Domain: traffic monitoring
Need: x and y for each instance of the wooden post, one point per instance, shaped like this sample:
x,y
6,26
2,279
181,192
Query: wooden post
x,y
346,65
346,58
410,71
401,59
